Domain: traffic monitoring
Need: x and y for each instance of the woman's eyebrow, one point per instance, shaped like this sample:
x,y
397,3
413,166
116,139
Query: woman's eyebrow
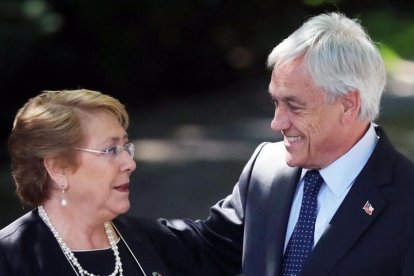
x,y
115,139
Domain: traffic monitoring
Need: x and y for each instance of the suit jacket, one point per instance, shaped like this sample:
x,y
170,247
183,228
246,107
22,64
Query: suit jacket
x,y
250,224
27,247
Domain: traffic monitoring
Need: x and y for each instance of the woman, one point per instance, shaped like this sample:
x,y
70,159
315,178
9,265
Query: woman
x,y
70,157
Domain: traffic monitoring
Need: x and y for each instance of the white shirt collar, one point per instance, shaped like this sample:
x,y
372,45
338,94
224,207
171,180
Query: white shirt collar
x,y
339,175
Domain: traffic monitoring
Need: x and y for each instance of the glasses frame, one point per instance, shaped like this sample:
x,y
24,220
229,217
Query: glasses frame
x,y
128,147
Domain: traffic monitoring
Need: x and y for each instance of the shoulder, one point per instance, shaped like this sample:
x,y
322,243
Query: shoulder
x,y
140,224
269,147
275,150
386,155
266,152
17,242
146,230
269,151
157,238
393,173
268,158
19,227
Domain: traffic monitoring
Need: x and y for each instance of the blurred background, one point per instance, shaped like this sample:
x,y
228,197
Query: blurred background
x,y
193,77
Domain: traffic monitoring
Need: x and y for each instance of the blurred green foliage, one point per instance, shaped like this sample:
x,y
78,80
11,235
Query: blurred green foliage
x,y
393,32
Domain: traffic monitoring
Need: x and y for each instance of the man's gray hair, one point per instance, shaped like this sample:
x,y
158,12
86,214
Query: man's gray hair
x,y
340,57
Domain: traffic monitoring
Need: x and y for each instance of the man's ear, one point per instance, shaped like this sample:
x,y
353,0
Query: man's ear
x,y
351,106
56,171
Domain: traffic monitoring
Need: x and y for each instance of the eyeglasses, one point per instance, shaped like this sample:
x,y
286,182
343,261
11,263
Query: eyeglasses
x,y
114,151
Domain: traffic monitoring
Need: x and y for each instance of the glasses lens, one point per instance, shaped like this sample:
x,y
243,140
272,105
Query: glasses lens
x,y
130,149
114,151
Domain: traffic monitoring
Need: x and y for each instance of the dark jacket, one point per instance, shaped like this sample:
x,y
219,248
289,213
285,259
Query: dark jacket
x,y
28,248
247,229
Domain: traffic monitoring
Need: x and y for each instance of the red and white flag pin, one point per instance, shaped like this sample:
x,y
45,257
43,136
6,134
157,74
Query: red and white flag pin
x,y
368,208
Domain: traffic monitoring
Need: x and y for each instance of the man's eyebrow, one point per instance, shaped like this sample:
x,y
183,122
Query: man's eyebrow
x,y
293,99
288,99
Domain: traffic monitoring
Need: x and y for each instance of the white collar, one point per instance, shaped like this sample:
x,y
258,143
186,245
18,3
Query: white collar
x,y
339,175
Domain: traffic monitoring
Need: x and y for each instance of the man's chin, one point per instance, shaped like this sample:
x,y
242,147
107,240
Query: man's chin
x,y
290,161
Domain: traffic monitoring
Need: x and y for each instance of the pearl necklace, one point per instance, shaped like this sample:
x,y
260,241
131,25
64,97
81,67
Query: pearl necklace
x,y
71,257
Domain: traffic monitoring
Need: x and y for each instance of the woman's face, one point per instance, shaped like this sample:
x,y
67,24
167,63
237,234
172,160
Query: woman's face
x,y
99,187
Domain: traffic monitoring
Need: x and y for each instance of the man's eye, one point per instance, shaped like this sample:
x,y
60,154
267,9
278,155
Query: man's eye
x,y
294,107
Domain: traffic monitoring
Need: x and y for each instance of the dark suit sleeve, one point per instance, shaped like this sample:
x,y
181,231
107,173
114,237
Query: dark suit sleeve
x,y
217,242
4,267
163,250
408,262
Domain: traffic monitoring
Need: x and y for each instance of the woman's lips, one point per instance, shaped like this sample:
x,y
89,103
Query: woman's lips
x,y
122,188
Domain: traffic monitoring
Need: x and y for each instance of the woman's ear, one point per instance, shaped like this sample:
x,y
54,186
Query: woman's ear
x,y
57,172
351,106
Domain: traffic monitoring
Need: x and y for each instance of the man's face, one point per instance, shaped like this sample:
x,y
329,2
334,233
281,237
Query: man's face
x,y
311,127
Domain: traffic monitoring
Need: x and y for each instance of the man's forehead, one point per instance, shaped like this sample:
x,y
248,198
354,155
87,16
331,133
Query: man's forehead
x,y
293,67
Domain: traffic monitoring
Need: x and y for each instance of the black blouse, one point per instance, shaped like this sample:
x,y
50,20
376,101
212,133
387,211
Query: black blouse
x,y
102,261
28,248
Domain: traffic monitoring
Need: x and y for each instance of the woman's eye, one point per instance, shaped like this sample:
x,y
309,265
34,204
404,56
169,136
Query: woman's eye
x,y
112,151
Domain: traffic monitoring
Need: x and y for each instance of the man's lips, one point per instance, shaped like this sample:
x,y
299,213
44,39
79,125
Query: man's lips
x,y
122,188
292,139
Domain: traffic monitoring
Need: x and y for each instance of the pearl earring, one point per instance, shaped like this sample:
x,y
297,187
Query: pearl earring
x,y
63,200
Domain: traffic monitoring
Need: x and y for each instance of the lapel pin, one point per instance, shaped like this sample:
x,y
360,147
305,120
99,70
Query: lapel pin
x,y
368,208
156,274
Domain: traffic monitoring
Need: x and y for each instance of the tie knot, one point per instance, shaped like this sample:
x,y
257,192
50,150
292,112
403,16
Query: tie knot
x,y
313,181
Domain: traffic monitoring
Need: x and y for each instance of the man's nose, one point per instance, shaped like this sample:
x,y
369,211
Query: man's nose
x,y
280,120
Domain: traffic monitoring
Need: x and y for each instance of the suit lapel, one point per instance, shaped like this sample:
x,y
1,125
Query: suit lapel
x,y
351,221
348,224
279,204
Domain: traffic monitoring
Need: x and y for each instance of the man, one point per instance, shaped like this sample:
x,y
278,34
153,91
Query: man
x,y
335,197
